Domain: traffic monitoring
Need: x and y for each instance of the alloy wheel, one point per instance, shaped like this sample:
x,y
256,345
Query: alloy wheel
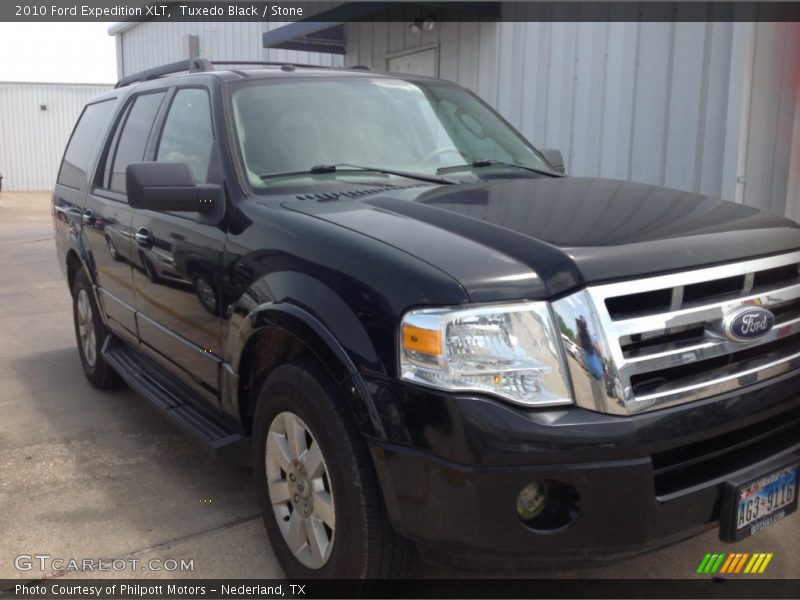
x,y
86,328
206,293
300,490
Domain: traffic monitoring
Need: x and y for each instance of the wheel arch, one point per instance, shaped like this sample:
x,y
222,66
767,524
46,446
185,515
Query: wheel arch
x,y
286,333
74,264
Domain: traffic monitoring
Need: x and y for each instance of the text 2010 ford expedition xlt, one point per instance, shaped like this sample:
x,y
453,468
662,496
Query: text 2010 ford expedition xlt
x,y
420,333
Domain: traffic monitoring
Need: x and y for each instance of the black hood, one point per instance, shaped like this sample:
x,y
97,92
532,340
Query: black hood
x,y
538,238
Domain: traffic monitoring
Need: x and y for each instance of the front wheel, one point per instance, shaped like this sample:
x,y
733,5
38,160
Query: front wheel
x,y
319,496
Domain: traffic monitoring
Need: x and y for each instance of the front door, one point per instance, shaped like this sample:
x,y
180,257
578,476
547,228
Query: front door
x,y
179,254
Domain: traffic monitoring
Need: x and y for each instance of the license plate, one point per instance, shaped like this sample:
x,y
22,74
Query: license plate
x,y
757,503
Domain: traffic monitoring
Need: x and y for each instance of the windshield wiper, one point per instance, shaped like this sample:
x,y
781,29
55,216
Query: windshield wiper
x,y
481,163
344,168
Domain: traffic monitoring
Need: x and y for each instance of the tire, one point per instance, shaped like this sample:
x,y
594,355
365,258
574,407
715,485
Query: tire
x,y
112,250
150,270
205,292
363,544
91,333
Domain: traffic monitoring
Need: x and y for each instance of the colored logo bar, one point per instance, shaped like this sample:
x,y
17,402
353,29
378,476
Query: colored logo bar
x,y
735,563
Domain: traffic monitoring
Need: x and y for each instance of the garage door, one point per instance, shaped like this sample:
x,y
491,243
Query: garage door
x,y
424,62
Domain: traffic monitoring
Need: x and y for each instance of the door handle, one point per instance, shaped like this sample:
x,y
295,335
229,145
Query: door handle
x,y
144,237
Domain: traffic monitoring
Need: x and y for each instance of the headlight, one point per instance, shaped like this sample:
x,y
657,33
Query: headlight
x,y
510,351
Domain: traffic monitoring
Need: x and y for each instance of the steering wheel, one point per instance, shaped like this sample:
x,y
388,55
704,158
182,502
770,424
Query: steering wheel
x,y
441,152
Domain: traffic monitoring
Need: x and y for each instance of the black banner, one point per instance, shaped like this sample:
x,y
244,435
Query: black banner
x,y
289,11
237,589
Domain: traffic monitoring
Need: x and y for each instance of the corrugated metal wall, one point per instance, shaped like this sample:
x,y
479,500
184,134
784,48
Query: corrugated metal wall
x,y
773,134
32,140
150,44
652,102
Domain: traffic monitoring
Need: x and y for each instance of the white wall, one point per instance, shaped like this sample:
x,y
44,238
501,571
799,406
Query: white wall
x,y
653,102
773,136
32,140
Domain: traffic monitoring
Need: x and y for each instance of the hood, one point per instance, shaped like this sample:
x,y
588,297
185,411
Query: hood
x,y
539,238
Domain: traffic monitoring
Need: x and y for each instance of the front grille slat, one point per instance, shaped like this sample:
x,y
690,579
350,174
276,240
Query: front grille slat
x,y
710,347
719,381
664,336
703,313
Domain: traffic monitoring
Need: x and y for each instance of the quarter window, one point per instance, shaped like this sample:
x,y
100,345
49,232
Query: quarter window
x,y
188,136
82,144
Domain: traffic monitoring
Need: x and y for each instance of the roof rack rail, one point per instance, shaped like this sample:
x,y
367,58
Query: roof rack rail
x,y
269,64
199,65
192,65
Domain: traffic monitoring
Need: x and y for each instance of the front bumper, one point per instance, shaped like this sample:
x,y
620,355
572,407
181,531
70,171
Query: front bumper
x,y
451,467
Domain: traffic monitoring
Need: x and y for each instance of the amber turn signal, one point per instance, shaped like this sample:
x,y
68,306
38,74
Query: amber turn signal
x,y
424,341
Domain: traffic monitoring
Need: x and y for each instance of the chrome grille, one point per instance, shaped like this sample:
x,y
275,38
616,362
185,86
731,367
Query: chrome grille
x,y
662,339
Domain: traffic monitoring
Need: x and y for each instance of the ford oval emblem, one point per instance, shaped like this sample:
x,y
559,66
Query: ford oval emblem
x,y
748,323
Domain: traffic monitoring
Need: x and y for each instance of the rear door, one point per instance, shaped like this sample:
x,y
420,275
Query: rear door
x,y
177,286
108,218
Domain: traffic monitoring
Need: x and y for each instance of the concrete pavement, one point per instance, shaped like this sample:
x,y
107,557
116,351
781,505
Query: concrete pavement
x,y
90,474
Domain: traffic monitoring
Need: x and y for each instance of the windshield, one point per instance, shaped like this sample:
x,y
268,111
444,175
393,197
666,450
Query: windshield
x,y
290,127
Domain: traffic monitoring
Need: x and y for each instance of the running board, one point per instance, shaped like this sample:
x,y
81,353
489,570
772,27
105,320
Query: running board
x,y
174,400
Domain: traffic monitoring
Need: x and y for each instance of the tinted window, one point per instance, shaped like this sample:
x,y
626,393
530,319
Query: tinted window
x,y
83,142
188,136
133,138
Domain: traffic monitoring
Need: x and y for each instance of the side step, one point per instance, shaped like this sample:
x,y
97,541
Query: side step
x,y
174,400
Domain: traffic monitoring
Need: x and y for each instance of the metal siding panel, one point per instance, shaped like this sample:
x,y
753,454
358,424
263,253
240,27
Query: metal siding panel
x,y
468,41
615,145
709,176
589,105
560,86
535,80
736,100
654,74
687,91
448,50
787,93
764,110
488,55
397,29
793,187
351,49
32,141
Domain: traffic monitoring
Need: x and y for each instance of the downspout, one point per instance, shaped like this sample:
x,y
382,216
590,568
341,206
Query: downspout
x,y
744,124
120,56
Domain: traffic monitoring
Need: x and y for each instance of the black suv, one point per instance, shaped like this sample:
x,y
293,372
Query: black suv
x,y
420,333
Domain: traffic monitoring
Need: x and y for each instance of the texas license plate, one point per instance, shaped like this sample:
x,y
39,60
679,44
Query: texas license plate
x,y
758,503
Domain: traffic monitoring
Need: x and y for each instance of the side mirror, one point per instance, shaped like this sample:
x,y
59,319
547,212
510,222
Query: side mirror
x,y
169,186
554,158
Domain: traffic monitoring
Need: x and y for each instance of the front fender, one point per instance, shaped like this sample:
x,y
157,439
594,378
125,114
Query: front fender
x,y
319,318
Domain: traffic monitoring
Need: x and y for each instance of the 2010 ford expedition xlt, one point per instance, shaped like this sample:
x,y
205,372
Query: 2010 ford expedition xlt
x,y
420,332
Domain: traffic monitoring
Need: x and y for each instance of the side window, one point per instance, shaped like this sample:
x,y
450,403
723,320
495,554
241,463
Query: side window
x,y
82,144
131,141
188,136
